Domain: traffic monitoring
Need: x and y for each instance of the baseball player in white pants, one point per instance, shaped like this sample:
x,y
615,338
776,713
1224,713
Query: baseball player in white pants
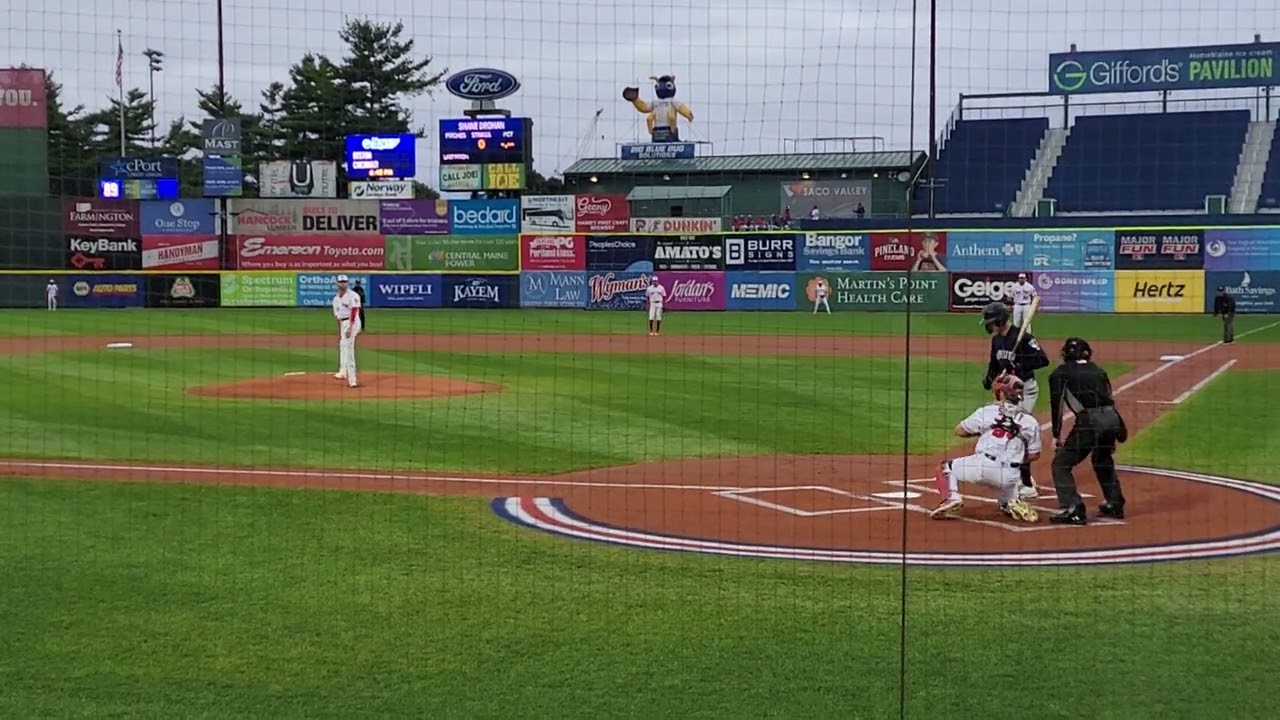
x,y
656,296
1023,293
346,309
1007,438
51,295
820,293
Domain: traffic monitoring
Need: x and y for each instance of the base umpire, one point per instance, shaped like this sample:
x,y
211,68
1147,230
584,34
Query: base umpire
x,y
1082,387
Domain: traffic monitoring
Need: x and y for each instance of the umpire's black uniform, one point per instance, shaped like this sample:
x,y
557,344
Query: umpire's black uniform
x,y
1084,389
359,291
1225,306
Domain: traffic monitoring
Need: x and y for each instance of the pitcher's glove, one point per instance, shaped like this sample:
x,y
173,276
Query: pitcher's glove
x,y
630,94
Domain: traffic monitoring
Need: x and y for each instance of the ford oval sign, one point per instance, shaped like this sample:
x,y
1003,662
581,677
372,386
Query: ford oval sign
x,y
482,84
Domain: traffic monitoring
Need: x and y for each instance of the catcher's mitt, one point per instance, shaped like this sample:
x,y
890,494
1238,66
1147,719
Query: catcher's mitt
x,y
630,94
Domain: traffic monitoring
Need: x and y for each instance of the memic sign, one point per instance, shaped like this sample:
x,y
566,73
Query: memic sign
x,y
381,156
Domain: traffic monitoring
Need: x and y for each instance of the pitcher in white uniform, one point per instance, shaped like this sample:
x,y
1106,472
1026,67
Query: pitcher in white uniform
x,y
346,309
1007,438
655,295
1022,294
51,295
820,293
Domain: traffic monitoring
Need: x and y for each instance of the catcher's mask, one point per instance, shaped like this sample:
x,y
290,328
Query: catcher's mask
x,y
1076,349
1007,389
994,316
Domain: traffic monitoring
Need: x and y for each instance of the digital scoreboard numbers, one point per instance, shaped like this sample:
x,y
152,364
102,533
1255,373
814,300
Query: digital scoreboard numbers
x,y
483,141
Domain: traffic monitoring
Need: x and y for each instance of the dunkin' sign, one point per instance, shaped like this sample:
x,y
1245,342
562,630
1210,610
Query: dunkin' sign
x,y
601,213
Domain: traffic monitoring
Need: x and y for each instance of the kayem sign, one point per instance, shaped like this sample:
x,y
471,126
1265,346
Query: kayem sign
x,y
180,252
553,252
972,291
309,252
675,225
601,213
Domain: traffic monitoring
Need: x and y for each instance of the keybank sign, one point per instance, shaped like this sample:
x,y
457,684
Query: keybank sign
x,y
1184,68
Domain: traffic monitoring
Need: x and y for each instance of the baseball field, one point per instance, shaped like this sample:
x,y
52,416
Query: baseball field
x,y
551,514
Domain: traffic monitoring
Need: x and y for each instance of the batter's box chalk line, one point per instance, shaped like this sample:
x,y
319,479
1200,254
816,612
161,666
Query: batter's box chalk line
x,y
746,495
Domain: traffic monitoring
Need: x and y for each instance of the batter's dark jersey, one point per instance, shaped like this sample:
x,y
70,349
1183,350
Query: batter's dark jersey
x,y
1023,362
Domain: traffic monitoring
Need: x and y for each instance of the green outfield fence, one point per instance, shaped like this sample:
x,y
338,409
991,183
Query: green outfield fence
x,y
524,498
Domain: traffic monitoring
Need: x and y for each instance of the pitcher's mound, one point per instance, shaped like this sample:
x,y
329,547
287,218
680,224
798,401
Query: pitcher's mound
x,y
324,386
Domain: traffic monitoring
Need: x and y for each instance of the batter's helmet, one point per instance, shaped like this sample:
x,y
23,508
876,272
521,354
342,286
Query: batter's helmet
x,y
995,314
1076,348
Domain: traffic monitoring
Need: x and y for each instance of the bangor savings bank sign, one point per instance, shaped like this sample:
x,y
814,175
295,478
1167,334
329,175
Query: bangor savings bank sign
x,y
1183,68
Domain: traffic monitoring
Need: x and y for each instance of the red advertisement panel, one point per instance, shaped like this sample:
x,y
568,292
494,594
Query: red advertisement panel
x,y
309,252
920,251
553,252
180,252
601,214
103,218
22,99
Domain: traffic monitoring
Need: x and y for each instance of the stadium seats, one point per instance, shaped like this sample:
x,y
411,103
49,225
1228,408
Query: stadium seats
x,y
982,165
1269,200
1151,161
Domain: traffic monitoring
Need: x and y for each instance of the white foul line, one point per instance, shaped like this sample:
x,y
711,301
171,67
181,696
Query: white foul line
x,y
1247,333
1207,379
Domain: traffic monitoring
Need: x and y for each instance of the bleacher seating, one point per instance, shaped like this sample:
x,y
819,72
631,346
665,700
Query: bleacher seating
x,y
1152,161
1270,197
982,165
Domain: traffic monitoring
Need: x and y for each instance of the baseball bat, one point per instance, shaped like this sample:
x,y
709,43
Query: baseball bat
x,y
1026,322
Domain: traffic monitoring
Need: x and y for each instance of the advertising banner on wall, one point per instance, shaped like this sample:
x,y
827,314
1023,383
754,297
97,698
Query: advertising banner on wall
x,y
546,214
103,291
103,253
601,214
1025,251
1242,248
764,251
178,217
694,290
1198,67
832,198
627,253
264,217
482,291
309,252
760,291
270,289
616,290
1159,249
916,251
972,291
340,217
1159,291
181,252
676,225
1088,292
878,291
553,252
101,218
553,289
318,289
416,290
484,217
688,253
23,103
1255,291
298,179
413,217
182,291
827,251
453,253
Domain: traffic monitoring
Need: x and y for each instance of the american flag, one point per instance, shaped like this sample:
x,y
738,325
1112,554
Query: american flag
x,y
119,62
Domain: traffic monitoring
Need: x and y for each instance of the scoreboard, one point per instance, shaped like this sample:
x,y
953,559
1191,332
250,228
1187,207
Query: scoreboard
x,y
484,153
381,157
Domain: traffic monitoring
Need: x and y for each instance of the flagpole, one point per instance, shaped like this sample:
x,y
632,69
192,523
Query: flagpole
x,y
120,85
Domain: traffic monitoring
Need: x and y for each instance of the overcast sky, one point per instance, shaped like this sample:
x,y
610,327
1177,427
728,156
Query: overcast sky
x,y
757,73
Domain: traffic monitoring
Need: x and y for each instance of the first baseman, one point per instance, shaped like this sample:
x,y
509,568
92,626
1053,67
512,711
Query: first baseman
x,y
1008,439
1022,294
655,295
346,309
1020,360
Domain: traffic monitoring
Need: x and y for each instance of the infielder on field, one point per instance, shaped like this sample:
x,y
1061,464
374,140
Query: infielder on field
x,y
1018,359
655,296
51,295
820,296
1022,295
346,308
1008,439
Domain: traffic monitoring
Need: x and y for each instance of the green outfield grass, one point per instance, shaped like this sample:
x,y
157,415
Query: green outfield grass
x,y
120,323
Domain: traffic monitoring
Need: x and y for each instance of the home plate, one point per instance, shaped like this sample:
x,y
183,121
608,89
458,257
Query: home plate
x,y
119,346
897,495
291,374
1172,358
